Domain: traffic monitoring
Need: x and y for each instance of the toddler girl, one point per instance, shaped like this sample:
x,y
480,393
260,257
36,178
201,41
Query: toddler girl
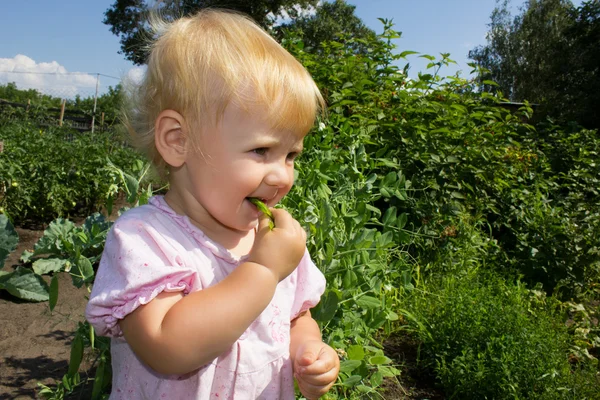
x,y
201,298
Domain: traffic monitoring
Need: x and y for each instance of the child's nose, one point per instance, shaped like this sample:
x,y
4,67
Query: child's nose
x,y
280,175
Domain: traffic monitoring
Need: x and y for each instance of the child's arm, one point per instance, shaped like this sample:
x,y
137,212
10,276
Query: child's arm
x,y
316,365
174,334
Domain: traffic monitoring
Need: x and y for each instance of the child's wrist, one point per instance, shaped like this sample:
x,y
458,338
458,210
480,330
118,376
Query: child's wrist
x,y
263,268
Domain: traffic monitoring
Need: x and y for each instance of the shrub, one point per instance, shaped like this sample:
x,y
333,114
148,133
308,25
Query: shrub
x,y
487,338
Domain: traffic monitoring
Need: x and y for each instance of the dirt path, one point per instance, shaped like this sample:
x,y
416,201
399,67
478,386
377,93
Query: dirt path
x,y
34,343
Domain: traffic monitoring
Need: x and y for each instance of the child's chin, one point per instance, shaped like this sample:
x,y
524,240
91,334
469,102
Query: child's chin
x,y
249,225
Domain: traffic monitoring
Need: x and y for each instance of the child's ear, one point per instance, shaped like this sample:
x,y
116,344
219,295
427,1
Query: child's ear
x,y
170,137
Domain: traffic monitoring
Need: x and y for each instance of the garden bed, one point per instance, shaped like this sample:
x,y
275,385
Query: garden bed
x,y
34,343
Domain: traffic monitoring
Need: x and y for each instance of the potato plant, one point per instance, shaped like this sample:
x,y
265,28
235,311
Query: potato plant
x,y
49,172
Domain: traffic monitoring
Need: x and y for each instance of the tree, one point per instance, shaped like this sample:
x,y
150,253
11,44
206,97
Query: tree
x,y
520,51
127,18
547,54
332,21
584,61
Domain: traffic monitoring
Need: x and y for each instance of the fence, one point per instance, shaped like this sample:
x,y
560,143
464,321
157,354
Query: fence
x,y
22,88
77,119
64,85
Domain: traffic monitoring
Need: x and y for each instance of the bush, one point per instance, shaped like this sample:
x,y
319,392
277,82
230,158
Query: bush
x,y
487,338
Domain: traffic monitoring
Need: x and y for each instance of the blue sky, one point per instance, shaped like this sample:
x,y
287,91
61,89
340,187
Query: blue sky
x,y
69,36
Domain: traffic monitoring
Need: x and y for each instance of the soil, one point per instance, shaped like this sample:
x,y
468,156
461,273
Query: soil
x,y
414,382
35,343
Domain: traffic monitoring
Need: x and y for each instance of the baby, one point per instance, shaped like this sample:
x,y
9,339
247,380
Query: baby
x,y
202,299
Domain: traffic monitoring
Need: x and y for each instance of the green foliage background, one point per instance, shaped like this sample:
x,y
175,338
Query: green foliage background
x,y
436,214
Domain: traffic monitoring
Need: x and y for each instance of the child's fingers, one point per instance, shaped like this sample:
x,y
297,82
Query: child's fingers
x,y
325,360
319,367
308,353
321,379
263,222
283,219
314,386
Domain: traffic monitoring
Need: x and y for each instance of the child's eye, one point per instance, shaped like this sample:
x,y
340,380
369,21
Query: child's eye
x,y
261,151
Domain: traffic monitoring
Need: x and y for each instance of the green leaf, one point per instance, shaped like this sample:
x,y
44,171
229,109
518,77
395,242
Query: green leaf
x,y
82,271
53,294
368,302
387,163
352,380
348,366
389,217
66,382
26,256
8,238
403,237
385,192
385,239
47,265
388,372
131,185
376,379
378,360
349,280
76,354
59,231
401,221
407,53
390,179
327,307
356,352
26,285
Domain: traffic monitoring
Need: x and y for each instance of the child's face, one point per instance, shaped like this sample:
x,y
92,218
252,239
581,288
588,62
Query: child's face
x,y
243,157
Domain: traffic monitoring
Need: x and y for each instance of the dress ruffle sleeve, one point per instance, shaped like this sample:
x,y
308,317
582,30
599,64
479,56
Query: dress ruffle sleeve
x,y
139,262
310,285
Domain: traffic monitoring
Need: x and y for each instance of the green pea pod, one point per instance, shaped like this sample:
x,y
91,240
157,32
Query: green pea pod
x,y
262,207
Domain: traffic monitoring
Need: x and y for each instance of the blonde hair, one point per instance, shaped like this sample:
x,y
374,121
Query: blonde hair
x,y
199,65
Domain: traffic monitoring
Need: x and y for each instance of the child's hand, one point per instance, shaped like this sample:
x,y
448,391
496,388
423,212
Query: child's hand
x,y
282,248
316,368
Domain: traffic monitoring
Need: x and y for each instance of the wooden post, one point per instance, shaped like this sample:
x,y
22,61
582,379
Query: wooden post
x,y
102,120
1,147
95,101
62,112
28,105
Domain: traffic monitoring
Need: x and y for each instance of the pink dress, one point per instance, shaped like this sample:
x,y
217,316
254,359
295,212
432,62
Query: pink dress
x,y
151,249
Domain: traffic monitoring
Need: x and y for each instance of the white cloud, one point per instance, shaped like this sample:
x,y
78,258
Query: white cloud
x,y
132,79
284,17
135,75
46,77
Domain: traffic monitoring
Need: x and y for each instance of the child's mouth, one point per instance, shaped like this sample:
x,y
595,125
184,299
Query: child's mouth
x,y
254,199
263,208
